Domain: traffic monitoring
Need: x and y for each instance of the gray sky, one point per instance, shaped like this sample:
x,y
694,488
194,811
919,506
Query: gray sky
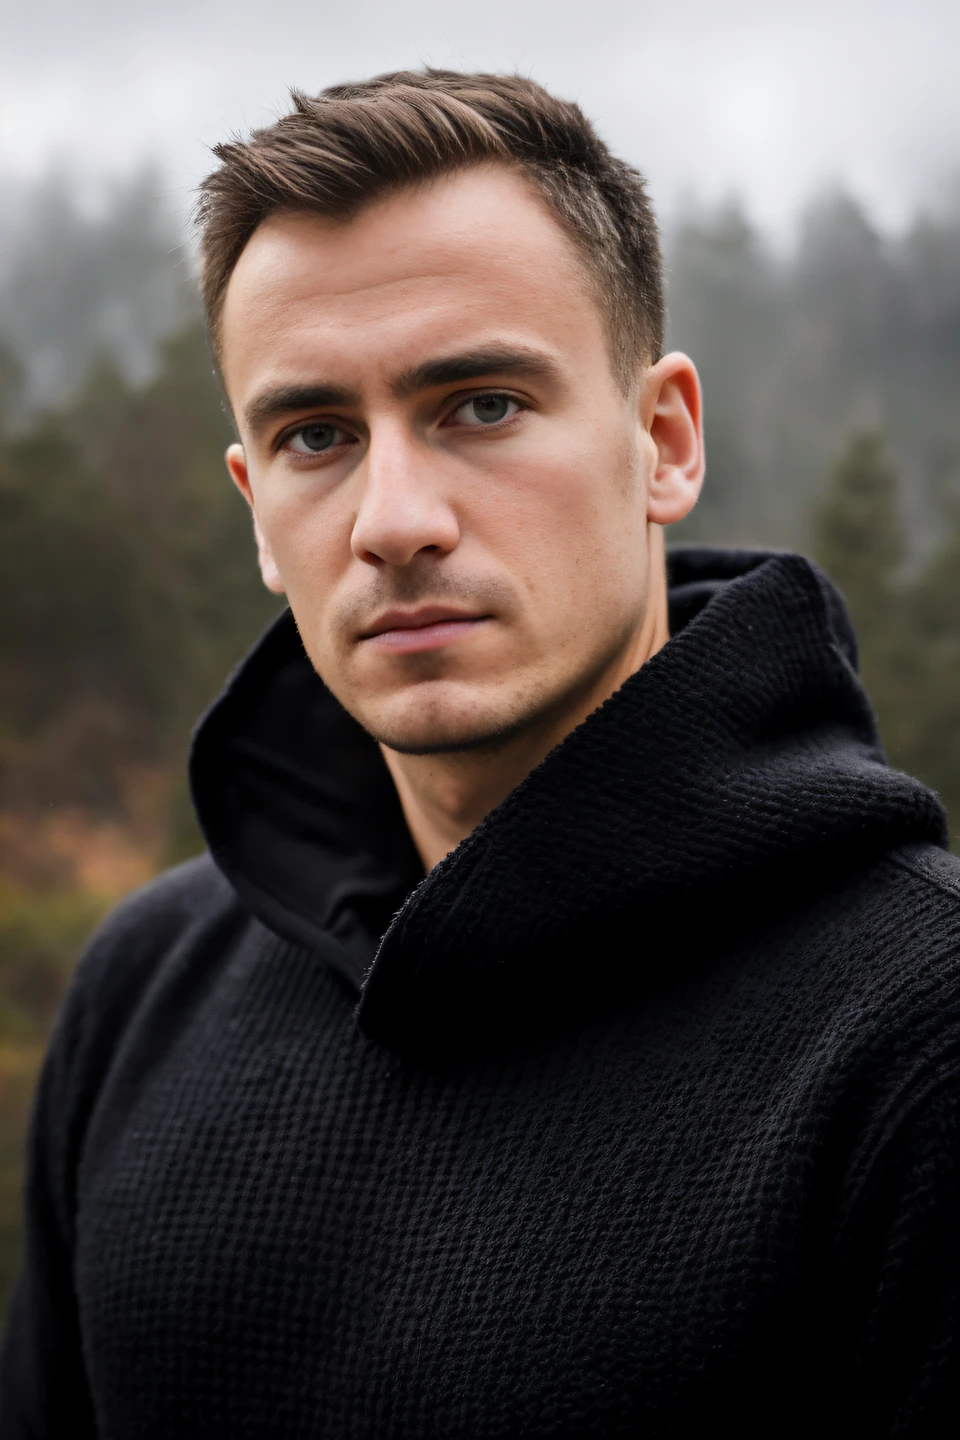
x,y
772,100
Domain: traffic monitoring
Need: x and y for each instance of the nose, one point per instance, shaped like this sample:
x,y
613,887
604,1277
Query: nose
x,y
404,509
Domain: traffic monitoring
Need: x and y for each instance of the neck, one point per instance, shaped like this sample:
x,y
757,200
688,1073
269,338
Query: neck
x,y
446,796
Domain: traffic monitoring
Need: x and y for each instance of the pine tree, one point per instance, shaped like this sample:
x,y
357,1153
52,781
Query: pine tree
x,y
858,542
934,737
909,632
857,535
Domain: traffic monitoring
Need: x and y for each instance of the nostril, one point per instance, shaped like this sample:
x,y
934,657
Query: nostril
x,y
395,534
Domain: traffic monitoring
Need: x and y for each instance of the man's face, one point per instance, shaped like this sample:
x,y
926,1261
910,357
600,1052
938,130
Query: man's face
x,y
447,479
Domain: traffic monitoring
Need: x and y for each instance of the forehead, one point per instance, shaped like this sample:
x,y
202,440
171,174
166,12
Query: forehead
x,y
447,262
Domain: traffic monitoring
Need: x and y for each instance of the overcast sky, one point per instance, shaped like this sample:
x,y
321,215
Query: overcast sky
x,y
772,100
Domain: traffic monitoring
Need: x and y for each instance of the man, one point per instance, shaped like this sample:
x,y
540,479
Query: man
x,y
562,1036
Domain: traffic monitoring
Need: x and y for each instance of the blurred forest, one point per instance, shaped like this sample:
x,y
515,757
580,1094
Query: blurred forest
x,y
127,577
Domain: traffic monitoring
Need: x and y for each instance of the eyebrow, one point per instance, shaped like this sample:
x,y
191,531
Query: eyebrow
x,y
473,365
283,400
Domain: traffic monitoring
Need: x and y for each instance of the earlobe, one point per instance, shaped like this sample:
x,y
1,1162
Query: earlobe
x,y
237,468
672,414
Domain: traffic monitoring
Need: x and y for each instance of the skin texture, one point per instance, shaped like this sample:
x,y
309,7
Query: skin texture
x,y
383,498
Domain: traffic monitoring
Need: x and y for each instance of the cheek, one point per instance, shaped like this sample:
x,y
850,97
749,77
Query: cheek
x,y
568,524
310,542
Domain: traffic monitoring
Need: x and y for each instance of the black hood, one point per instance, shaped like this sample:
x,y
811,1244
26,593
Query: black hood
x,y
741,761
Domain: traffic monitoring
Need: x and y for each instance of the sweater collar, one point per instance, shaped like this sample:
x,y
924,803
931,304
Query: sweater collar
x,y
742,757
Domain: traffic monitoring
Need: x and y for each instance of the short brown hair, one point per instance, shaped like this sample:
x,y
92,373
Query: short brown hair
x,y
351,144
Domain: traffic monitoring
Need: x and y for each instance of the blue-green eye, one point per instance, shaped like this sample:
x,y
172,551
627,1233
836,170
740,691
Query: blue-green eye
x,y
486,410
314,439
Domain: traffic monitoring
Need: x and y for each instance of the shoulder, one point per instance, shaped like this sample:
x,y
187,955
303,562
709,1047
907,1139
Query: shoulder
x,y
911,912
887,984
862,982
183,914
171,910
900,913
937,870
173,901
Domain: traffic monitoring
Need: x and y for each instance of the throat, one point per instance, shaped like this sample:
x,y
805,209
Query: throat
x,y
445,796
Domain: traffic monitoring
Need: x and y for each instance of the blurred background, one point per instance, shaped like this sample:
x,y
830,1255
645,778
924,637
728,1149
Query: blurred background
x,y
805,161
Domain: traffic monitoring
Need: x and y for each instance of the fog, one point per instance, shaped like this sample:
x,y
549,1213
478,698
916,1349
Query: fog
x,y
771,101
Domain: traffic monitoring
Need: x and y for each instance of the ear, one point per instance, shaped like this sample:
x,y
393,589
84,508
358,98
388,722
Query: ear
x,y
671,412
237,466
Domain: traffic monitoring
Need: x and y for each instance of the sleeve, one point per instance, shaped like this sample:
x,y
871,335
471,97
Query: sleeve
x,y
903,1273
43,1387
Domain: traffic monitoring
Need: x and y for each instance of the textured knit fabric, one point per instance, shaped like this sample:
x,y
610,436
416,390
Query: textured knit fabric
x,y
643,1118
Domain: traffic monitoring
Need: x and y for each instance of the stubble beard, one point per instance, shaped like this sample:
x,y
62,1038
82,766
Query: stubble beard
x,y
445,735
533,710
482,739
524,722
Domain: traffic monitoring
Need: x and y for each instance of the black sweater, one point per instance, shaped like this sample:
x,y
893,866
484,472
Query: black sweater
x,y
646,1121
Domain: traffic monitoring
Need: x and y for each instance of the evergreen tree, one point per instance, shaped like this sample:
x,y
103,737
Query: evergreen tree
x,y
908,630
858,542
724,311
128,579
11,385
934,735
858,534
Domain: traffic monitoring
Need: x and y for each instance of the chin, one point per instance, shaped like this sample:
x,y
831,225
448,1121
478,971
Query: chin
x,y
421,726
443,743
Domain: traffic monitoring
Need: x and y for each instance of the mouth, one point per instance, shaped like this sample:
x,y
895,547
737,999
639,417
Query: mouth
x,y
405,632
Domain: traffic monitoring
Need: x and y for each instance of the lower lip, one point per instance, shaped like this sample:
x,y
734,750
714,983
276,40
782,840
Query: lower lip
x,y
427,637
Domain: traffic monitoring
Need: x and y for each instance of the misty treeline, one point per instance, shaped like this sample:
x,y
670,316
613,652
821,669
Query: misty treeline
x,y
127,578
